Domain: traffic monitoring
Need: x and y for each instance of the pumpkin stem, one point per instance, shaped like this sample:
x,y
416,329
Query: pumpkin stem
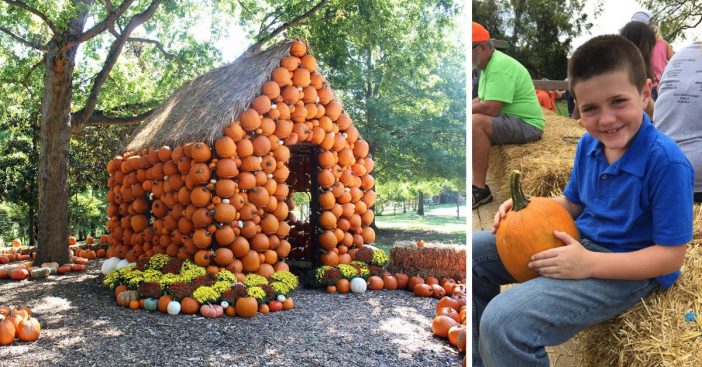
x,y
519,200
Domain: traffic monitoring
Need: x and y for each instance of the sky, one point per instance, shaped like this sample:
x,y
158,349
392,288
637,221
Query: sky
x,y
615,15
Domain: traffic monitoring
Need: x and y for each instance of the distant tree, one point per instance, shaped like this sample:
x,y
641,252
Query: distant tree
x,y
675,16
539,32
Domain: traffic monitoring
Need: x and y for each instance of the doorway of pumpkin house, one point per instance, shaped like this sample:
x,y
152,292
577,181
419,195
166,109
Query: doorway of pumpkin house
x,y
303,202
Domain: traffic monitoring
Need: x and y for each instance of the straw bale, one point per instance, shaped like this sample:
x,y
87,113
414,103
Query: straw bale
x,y
655,331
437,261
201,108
546,163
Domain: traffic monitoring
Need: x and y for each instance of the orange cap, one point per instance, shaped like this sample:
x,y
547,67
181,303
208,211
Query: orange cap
x,y
480,34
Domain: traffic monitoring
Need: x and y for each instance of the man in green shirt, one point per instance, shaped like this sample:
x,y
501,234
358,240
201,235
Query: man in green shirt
x,y
506,110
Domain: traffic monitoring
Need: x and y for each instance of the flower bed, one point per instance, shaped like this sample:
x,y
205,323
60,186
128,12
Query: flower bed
x,y
166,281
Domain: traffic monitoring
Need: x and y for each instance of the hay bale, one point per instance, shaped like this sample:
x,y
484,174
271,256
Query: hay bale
x,y
655,331
436,261
546,163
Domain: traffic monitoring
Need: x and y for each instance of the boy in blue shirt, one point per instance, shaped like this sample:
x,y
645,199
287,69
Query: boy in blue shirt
x,y
630,192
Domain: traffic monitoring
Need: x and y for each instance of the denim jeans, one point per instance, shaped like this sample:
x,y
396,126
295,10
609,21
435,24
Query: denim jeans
x,y
513,327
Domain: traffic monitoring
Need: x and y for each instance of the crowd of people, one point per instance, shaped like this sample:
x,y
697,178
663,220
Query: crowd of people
x,y
636,173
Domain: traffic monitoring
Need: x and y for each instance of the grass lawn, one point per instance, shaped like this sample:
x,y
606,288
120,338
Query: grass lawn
x,y
439,226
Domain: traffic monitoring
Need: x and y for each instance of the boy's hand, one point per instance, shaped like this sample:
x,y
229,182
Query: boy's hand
x,y
571,261
501,213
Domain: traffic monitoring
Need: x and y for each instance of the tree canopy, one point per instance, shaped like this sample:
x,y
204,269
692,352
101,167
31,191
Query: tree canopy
x,y
539,32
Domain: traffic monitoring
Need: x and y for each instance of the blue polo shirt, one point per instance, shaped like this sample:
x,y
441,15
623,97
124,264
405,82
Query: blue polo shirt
x,y
642,199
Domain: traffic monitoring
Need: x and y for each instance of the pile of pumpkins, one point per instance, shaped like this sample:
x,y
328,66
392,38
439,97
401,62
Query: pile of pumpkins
x,y
245,307
18,323
89,249
24,270
227,204
431,287
450,319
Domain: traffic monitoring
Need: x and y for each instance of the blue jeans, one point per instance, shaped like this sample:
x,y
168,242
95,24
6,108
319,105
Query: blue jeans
x,y
513,327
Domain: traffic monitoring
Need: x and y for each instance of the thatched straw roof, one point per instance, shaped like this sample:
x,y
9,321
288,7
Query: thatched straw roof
x,y
200,109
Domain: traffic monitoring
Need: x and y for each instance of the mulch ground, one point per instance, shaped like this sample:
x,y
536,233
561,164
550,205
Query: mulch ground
x,y
82,325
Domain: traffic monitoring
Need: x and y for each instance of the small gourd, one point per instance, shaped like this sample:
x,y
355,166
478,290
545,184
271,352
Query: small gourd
x,y
151,304
40,272
358,285
173,308
109,265
121,264
211,311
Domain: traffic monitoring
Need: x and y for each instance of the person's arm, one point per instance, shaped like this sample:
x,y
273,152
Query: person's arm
x,y
573,261
490,108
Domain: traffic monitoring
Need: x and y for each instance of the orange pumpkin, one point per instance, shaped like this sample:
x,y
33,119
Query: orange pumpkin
x,y
343,285
441,324
528,229
423,290
162,304
7,331
188,306
375,283
246,307
28,330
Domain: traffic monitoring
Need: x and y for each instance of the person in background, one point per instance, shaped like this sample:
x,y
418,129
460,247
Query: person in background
x,y
505,112
644,39
662,51
546,99
679,107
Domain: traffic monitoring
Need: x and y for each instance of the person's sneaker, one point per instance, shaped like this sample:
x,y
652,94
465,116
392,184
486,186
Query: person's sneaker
x,y
481,196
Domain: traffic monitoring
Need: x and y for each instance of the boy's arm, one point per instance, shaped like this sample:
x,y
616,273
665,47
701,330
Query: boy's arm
x,y
573,261
646,263
573,209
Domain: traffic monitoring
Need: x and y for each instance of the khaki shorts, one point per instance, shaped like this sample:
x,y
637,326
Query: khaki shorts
x,y
512,130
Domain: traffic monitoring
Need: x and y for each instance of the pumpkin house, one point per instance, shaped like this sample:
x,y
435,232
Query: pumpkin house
x,y
211,173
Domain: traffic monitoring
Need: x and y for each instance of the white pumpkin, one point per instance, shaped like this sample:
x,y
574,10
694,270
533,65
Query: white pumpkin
x,y
281,298
358,285
109,265
224,304
173,308
122,264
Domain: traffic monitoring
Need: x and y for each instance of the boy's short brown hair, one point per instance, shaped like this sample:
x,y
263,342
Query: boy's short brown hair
x,y
605,54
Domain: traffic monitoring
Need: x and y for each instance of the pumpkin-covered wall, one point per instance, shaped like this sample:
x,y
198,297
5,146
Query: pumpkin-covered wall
x,y
217,193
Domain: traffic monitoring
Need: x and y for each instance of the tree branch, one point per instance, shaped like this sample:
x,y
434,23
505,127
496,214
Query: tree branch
x,y
23,41
100,27
100,118
159,45
111,60
31,70
36,12
257,46
245,8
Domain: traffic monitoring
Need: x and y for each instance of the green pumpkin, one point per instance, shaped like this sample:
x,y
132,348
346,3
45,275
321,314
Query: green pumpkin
x,y
151,304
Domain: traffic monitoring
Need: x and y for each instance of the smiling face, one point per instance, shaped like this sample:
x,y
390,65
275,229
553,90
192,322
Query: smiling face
x,y
611,110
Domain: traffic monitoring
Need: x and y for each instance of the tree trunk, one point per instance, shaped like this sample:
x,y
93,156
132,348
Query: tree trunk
x,y
404,206
54,140
31,231
458,205
420,204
